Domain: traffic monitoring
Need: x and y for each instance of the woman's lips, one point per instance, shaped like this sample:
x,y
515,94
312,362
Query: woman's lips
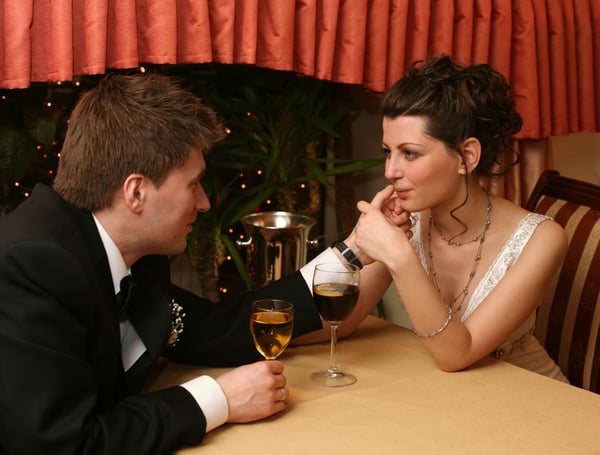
x,y
402,193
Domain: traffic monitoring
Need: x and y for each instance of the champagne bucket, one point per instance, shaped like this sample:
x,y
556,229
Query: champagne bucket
x,y
276,245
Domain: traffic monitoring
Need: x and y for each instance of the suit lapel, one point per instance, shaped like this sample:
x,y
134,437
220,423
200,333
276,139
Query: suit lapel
x,y
150,314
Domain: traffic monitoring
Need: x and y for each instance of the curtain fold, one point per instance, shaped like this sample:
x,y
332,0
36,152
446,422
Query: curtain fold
x,y
548,49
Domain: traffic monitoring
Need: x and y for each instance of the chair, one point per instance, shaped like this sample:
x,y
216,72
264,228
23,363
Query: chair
x,y
569,316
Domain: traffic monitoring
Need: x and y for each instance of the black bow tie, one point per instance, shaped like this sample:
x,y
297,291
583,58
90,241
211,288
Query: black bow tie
x,y
125,297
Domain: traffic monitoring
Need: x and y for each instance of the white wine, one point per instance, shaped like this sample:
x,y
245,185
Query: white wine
x,y
271,332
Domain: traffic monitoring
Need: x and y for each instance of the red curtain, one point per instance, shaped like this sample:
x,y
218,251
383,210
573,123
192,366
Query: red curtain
x,y
548,49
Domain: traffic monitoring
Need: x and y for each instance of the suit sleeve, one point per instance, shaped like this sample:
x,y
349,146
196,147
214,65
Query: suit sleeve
x,y
61,368
218,334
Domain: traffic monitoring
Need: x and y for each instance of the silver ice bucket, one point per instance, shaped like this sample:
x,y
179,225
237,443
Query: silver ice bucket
x,y
276,244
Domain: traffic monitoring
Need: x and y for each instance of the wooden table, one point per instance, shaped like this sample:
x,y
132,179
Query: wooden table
x,y
402,403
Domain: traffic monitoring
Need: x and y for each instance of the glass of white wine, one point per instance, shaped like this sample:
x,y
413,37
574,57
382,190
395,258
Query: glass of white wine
x,y
335,290
271,326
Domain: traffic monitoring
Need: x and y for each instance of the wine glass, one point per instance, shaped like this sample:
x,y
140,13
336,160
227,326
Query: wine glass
x,y
335,290
271,326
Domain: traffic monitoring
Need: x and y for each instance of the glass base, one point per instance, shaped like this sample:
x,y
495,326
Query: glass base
x,y
333,378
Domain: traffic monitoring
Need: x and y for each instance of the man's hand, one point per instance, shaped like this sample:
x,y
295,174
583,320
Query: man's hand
x,y
389,211
254,391
382,224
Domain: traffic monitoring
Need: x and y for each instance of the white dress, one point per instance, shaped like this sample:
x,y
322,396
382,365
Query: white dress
x,y
522,348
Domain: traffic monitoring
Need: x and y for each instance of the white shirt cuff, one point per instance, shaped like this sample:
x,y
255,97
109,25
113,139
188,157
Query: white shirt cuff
x,y
211,399
308,270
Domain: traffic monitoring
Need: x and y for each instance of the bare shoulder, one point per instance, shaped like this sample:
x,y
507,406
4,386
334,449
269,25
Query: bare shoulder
x,y
548,234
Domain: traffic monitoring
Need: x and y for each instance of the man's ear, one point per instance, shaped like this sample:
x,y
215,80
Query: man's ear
x,y
134,191
471,149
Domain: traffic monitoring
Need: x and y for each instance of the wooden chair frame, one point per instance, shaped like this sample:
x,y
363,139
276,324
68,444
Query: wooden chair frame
x,y
569,317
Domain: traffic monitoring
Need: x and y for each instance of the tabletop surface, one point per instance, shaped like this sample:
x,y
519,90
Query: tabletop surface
x,y
402,403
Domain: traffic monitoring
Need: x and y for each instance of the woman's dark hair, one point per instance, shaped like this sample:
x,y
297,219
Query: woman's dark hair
x,y
458,102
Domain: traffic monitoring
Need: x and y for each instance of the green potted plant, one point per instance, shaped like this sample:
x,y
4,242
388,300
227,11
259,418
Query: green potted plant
x,y
280,128
23,127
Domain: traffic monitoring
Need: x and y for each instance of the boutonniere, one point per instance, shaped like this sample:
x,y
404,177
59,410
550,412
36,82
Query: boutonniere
x,y
176,322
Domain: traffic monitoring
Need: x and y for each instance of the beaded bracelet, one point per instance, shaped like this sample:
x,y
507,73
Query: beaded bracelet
x,y
348,254
440,329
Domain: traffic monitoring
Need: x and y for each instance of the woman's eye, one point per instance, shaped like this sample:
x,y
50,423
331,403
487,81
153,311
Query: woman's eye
x,y
386,152
410,155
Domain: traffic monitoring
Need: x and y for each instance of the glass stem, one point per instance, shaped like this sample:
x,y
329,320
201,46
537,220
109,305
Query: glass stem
x,y
333,351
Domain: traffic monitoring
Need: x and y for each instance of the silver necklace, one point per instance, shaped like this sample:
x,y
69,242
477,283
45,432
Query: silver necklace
x,y
431,269
451,241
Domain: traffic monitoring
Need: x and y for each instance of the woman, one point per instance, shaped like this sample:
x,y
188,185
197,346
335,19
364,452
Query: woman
x,y
474,267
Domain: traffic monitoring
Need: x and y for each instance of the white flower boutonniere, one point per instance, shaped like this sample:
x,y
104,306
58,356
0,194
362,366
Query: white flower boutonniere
x,y
176,322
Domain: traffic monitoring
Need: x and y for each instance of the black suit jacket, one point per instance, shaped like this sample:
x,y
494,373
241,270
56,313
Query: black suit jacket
x,y
62,385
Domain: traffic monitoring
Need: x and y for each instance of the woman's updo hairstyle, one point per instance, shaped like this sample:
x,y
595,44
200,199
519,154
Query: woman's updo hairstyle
x,y
458,102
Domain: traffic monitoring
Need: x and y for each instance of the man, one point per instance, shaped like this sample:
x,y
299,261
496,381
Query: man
x,y
75,351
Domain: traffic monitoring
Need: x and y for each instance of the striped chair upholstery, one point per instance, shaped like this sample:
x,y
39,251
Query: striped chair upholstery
x,y
569,317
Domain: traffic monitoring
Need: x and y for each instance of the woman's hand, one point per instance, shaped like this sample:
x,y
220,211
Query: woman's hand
x,y
389,208
380,224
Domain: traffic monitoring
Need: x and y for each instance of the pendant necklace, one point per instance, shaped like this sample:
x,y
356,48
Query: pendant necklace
x,y
431,269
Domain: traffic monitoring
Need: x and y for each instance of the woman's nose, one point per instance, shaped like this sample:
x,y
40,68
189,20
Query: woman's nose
x,y
393,168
